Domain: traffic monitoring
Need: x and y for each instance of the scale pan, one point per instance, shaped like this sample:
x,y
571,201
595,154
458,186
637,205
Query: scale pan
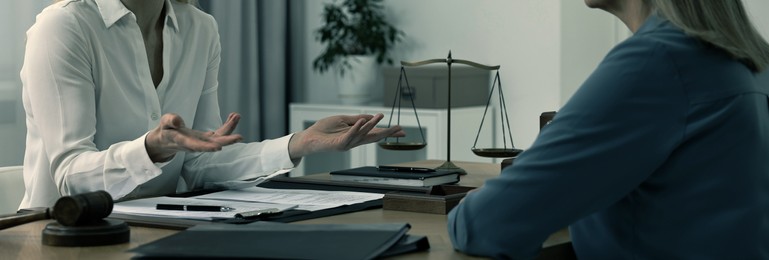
x,y
497,152
401,146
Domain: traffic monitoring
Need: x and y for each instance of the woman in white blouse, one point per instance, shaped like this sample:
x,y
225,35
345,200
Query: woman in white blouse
x,y
122,96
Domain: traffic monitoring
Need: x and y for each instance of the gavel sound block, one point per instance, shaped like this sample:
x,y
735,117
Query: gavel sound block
x,y
80,221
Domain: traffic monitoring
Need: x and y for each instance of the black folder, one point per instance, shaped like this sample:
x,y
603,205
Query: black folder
x,y
286,241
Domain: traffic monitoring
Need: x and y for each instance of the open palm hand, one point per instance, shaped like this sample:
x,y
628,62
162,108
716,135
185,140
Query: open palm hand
x,y
172,136
340,133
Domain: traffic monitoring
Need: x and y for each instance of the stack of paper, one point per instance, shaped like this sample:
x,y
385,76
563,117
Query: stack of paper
x,y
148,207
245,200
311,200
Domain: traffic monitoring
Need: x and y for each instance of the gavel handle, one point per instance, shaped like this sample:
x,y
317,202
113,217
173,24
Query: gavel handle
x,y
12,220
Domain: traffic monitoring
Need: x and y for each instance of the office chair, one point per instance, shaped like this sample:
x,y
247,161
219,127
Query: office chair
x,y
11,189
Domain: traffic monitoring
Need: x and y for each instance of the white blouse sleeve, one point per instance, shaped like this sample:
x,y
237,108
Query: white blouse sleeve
x,y
60,100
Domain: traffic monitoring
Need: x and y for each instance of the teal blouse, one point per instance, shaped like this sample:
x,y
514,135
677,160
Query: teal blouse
x,y
663,153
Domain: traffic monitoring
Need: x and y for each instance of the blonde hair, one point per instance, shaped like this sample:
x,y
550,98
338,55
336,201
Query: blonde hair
x,y
721,23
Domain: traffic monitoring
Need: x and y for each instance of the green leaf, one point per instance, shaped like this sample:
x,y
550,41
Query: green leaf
x,y
354,27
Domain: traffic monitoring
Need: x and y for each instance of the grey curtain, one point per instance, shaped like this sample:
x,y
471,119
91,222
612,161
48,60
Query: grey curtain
x,y
253,75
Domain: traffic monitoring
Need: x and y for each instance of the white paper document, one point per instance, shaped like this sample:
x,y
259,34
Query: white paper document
x,y
234,185
305,199
147,207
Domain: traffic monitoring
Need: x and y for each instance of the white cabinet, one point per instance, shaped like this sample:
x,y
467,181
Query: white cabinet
x,y
465,122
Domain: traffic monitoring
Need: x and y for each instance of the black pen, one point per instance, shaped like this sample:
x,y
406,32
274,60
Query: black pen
x,y
194,207
404,169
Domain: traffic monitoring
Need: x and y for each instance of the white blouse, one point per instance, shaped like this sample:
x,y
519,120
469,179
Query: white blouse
x,y
90,100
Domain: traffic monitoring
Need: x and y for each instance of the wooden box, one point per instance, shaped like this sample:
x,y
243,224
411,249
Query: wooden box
x,y
439,200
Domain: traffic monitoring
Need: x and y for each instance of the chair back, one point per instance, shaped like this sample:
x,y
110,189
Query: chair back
x,y
11,189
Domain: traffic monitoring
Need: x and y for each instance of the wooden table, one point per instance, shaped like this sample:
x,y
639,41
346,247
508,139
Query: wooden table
x,y
24,241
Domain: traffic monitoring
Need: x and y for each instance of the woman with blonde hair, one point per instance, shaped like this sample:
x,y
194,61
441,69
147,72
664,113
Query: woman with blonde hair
x,y
661,153
121,96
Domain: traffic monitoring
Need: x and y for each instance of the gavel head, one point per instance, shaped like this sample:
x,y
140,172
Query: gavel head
x,y
82,208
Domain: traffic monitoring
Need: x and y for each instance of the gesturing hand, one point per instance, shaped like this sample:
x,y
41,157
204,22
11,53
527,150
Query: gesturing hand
x,y
340,133
172,136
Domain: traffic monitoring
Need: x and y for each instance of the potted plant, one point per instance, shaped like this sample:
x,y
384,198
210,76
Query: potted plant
x,y
357,39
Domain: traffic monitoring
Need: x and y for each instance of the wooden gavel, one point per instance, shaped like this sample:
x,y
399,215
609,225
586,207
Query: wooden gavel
x,y
75,210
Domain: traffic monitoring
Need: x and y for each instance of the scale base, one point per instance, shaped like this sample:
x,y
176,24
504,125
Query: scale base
x,y
448,165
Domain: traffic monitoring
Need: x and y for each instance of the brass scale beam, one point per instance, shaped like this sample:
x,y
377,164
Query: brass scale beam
x,y
448,164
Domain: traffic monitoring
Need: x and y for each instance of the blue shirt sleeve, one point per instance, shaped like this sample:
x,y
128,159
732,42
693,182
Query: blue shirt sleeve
x,y
621,125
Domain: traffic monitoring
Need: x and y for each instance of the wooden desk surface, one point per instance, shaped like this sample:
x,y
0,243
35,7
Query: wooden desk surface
x,y
24,241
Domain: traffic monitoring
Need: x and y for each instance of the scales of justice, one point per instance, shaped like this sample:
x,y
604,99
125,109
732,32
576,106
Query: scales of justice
x,y
504,152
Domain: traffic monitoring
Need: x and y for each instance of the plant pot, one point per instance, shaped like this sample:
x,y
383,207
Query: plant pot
x,y
359,82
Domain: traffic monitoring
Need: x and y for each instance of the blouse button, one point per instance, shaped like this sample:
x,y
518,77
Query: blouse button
x,y
154,116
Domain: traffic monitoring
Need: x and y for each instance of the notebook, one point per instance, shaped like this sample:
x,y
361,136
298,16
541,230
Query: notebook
x,y
370,174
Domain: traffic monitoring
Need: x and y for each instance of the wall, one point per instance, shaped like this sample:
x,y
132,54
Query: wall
x,y
12,128
546,48
522,36
15,18
757,9
586,36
